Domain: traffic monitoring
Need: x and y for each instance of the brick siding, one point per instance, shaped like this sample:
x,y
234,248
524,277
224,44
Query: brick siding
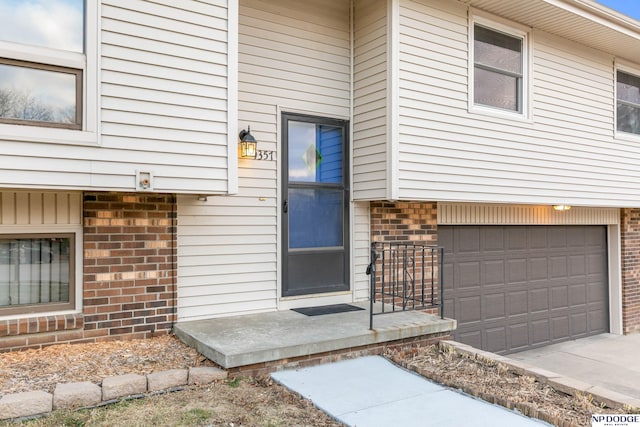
x,y
630,247
413,223
404,222
129,288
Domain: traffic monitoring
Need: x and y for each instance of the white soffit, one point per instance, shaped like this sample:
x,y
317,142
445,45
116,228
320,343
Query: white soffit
x,y
583,21
496,214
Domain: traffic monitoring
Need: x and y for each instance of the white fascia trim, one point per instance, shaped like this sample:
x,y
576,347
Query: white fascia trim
x,y
233,11
601,15
393,98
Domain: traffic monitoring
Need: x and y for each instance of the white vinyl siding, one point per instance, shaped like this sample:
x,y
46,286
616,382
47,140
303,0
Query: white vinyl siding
x,y
293,57
566,152
163,96
361,252
370,100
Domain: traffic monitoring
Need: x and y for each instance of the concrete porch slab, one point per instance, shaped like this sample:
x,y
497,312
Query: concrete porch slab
x,y
246,340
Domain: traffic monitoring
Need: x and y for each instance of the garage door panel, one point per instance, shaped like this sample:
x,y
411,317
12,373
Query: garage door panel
x,y
517,303
537,239
468,274
493,272
516,238
577,295
558,238
547,284
495,338
540,332
472,338
559,297
537,268
538,300
492,239
469,309
578,322
494,306
558,267
595,263
467,241
576,237
577,265
597,321
518,336
560,327
517,270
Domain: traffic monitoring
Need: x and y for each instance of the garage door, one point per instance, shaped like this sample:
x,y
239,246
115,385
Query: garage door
x,y
513,288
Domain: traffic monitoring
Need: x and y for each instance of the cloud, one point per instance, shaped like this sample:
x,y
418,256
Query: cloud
x,y
58,24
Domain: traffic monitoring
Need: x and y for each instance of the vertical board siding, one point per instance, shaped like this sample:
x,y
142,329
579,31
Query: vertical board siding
x,y
564,153
293,56
477,214
370,100
35,208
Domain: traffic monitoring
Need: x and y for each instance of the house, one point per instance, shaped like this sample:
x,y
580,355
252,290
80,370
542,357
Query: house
x,y
125,207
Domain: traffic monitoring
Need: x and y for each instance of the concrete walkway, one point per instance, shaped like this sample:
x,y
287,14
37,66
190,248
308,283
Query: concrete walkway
x,y
609,361
371,391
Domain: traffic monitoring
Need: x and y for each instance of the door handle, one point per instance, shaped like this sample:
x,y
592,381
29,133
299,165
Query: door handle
x,y
285,206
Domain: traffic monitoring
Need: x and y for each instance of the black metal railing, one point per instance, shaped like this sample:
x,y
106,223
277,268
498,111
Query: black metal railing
x,y
405,276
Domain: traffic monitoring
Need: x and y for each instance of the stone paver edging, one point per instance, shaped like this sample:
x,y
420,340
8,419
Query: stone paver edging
x,y
87,394
563,384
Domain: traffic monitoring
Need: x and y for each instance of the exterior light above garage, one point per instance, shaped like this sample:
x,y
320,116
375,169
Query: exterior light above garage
x,y
561,207
248,144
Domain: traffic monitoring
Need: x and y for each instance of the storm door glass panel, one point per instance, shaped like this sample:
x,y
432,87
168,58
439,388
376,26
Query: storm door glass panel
x,y
315,153
315,215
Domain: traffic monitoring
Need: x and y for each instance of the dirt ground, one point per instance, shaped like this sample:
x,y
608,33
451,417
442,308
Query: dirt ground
x,y
254,401
496,383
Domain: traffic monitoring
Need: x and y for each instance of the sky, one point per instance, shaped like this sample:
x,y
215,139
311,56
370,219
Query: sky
x,y
628,7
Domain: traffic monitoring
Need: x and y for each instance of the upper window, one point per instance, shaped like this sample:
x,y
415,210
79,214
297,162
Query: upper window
x,y
36,273
498,69
45,90
628,103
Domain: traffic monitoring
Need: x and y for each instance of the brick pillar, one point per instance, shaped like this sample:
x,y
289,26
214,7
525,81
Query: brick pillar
x,y
412,223
630,247
404,221
129,264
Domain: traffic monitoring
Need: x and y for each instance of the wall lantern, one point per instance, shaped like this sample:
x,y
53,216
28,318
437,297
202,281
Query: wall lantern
x,y
561,207
248,144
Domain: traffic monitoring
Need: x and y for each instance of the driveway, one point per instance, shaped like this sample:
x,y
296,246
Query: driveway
x,y
609,361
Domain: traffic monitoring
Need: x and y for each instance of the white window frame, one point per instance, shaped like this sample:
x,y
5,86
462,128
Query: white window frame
x,y
87,62
511,29
627,69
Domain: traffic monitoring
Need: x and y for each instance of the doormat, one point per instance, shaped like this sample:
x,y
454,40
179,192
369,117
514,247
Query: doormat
x,y
327,309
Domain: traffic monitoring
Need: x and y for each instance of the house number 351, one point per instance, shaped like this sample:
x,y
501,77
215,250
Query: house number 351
x,y
265,155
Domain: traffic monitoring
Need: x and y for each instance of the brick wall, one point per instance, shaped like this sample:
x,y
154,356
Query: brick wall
x,y
404,222
412,223
129,275
630,247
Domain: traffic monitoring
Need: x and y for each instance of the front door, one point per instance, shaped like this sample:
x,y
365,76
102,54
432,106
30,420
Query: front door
x,y
315,209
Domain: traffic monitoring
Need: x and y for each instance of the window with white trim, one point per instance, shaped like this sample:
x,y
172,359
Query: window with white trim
x,y
628,102
499,69
37,273
42,63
